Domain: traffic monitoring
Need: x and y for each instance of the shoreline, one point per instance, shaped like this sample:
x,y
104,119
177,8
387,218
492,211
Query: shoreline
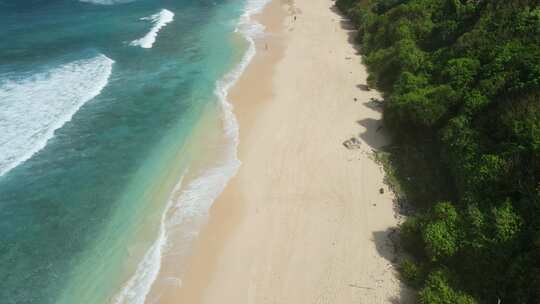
x,y
209,172
302,220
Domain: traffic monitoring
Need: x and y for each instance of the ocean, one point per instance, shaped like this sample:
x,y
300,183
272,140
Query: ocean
x,y
116,136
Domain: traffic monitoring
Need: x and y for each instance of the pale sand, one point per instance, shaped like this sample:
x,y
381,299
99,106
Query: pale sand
x,y
303,221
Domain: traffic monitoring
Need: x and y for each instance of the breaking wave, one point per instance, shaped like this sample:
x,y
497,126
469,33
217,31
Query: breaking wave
x,y
31,109
159,20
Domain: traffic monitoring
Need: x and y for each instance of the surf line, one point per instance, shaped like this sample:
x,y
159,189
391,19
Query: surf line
x,y
191,205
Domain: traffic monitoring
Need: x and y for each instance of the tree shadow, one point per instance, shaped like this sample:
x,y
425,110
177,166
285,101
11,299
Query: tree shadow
x,y
349,27
363,87
374,104
374,135
387,245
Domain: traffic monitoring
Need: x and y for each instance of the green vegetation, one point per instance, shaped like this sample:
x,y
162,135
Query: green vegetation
x,y
461,80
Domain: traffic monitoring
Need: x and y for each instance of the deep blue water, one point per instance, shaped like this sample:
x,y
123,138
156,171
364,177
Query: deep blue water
x,y
54,204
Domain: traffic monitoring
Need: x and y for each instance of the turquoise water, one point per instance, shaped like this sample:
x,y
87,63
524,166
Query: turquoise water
x,y
89,121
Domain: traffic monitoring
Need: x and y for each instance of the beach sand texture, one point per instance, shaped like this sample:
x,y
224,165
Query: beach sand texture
x,y
303,221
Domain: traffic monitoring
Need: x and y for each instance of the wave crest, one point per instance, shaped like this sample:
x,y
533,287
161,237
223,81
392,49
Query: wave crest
x,y
32,109
159,20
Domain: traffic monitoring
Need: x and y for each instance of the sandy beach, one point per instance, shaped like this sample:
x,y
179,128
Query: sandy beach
x,y
304,219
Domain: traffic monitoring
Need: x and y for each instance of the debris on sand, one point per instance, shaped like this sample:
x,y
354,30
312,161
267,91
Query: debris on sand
x,y
352,143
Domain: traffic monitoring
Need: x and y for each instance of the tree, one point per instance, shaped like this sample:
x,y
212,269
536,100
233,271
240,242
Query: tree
x,y
437,290
461,81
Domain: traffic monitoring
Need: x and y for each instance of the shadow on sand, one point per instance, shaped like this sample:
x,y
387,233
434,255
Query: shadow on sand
x,y
349,27
374,135
363,87
387,244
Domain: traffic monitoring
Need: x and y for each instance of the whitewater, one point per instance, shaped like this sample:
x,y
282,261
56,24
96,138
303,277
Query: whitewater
x,y
188,205
159,20
91,149
31,109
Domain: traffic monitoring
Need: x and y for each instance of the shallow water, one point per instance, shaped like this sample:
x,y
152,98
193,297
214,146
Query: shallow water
x,y
93,131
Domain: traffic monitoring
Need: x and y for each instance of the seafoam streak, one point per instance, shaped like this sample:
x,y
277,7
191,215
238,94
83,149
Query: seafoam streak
x,y
138,286
107,2
159,20
31,109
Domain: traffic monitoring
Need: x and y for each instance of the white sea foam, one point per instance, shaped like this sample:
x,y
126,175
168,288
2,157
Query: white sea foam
x,y
159,20
107,2
138,286
191,206
31,109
